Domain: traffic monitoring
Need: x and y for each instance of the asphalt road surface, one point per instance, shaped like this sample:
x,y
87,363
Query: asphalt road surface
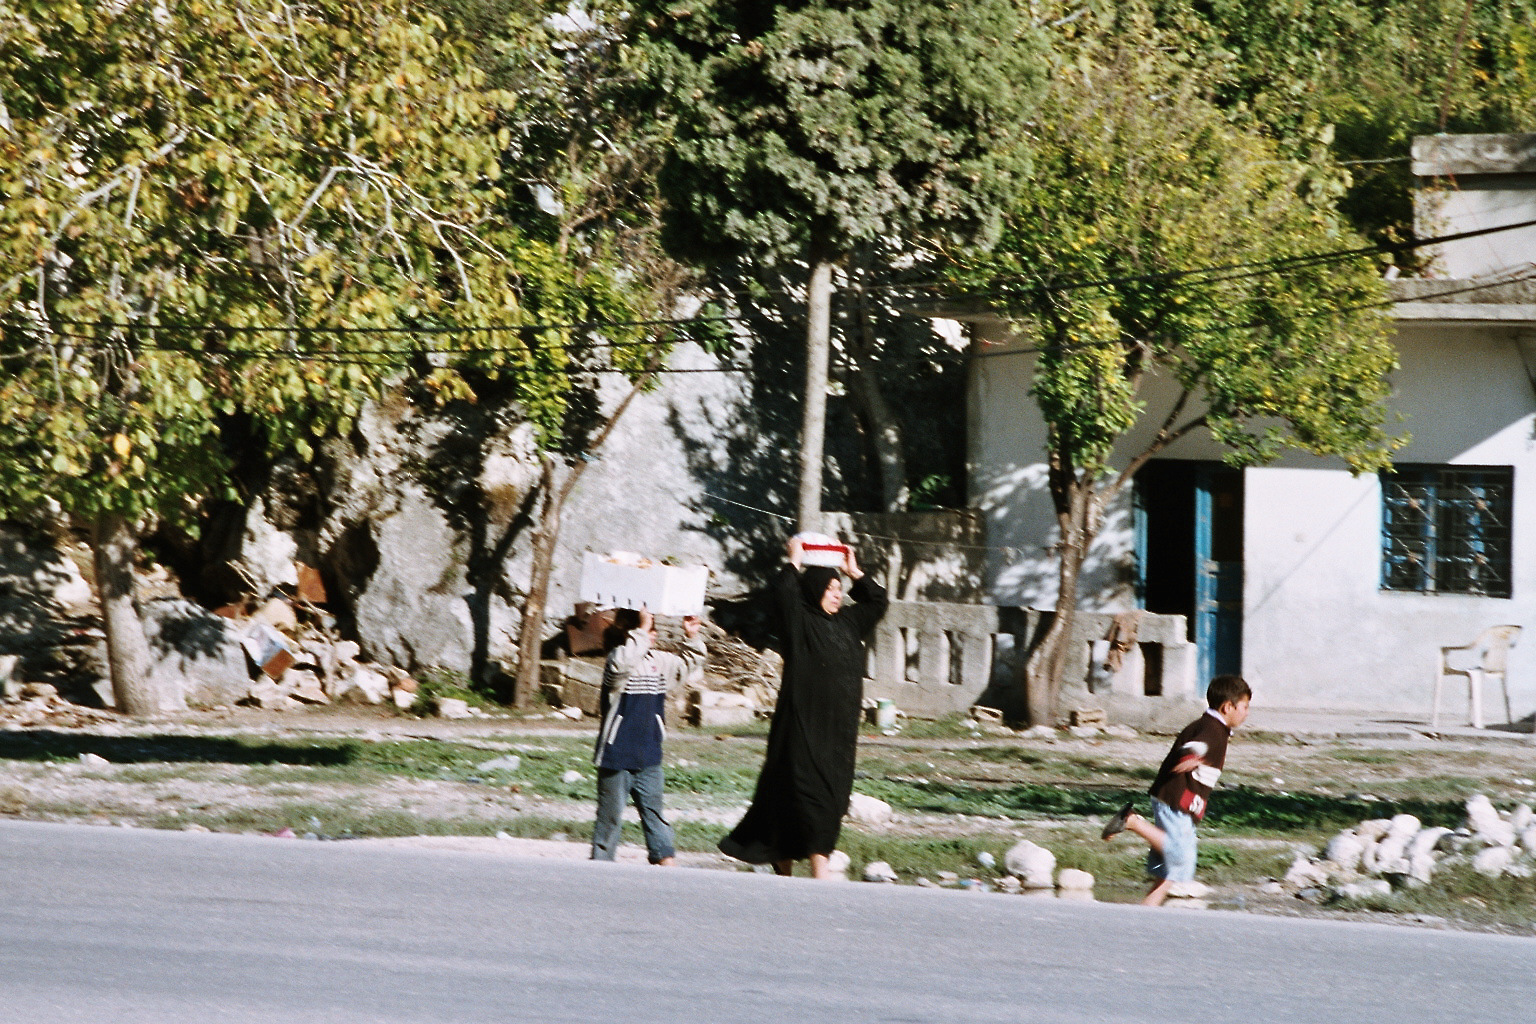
x,y
122,926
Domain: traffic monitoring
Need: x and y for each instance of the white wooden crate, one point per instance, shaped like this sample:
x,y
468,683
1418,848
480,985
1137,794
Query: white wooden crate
x,y
663,589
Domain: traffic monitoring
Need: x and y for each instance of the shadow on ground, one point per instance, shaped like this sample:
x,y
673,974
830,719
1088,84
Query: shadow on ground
x,y
1239,809
43,745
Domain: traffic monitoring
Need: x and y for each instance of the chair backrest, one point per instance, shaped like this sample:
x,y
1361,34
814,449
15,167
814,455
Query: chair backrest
x,y
1495,642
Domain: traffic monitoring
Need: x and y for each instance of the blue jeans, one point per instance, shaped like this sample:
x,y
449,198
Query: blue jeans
x,y
1177,861
615,787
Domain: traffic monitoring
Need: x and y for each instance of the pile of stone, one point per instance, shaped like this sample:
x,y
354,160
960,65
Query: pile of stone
x,y
1382,854
30,705
1029,870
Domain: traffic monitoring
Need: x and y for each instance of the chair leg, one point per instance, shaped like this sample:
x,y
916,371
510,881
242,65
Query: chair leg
x,y
1475,683
1509,716
1434,714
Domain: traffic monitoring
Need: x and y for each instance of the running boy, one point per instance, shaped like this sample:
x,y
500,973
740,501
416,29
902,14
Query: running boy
x,y
1182,787
636,679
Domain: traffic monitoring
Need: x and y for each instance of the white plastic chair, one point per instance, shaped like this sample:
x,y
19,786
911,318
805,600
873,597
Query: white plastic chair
x,y
1487,656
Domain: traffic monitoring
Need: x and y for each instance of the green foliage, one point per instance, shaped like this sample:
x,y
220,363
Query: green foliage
x,y
1141,178
1362,77
807,128
298,175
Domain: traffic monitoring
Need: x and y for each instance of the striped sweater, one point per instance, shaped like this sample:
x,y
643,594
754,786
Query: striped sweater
x,y
636,680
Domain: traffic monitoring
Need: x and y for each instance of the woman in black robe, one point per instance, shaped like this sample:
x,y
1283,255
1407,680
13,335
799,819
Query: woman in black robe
x,y
803,789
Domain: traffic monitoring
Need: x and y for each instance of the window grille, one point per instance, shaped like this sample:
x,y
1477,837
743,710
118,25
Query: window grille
x,y
1445,529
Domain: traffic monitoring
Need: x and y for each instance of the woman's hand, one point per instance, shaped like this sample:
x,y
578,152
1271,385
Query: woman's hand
x,y
851,564
796,551
691,626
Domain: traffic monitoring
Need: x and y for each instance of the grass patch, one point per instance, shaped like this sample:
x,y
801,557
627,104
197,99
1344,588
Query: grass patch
x,y
1459,894
1245,810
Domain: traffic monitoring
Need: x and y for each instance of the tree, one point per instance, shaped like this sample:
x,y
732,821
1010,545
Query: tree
x,y
802,131
252,211
1141,181
581,163
1360,78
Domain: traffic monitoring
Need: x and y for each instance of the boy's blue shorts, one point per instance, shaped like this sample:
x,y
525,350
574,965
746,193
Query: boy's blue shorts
x,y
1177,861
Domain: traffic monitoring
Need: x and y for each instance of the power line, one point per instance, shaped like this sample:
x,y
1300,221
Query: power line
x,y
1250,268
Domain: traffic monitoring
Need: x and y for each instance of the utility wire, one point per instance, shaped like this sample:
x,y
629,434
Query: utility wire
x,y
1201,276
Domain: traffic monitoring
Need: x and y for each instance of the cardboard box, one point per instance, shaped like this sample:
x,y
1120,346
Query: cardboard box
x,y
664,589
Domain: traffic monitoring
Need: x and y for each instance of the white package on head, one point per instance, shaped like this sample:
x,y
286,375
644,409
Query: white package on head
x,y
662,589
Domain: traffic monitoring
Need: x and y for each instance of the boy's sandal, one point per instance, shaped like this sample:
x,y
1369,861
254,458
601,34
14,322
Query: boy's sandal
x,y
1116,825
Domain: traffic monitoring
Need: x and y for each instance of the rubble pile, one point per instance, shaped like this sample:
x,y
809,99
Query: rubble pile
x,y
39,704
1383,854
736,667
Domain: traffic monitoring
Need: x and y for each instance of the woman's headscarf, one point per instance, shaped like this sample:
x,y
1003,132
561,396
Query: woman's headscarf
x,y
814,581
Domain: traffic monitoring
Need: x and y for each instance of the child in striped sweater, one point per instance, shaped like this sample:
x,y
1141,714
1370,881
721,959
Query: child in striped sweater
x,y
636,680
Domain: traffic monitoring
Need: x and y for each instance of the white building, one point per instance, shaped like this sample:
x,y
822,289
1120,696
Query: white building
x,y
1324,589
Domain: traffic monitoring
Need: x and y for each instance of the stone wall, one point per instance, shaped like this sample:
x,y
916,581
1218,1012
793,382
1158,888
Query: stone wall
x,y
936,658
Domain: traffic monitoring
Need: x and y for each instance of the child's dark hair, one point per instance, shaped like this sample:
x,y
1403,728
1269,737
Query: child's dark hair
x,y
1228,689
624,620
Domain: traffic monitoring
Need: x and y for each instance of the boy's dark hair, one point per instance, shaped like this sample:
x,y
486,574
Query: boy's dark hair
x,y
1227,689
624,620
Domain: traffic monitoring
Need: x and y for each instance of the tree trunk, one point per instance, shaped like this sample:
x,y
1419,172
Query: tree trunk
x,y
1043,669
813,430
546,536
128,660
884,428
530,637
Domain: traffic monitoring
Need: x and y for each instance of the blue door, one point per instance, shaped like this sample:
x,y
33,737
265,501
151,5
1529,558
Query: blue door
x,y
1219,570
1189,553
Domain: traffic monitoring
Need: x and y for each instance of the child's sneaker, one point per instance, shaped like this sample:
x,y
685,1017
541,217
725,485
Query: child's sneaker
x,y
1116,825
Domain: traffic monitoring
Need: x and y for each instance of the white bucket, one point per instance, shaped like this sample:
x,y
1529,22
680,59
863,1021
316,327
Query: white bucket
x,y
820,549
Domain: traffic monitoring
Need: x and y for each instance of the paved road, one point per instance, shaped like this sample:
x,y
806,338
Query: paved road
x,y
119,926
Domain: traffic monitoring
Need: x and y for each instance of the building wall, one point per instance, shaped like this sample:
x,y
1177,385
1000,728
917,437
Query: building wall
x,y
1318,630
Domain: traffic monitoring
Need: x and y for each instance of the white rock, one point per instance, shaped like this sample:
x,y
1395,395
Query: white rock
x,y
1364,888
365,684
346,651
94,761
986,860
1528,840
1191,890
1304,873
1039,732
1121,732
571,777
506,763
879,871
1071,883
1374,828
1421,867
1404,825
1344,850
1493,859
403,699
452,707
1390,850
1034,865
1499,833
1085,732
1423,844
868,811
1481,817
570,711
837,864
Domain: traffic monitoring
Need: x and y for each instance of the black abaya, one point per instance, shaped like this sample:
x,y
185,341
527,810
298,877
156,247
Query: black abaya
x,y
803,789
